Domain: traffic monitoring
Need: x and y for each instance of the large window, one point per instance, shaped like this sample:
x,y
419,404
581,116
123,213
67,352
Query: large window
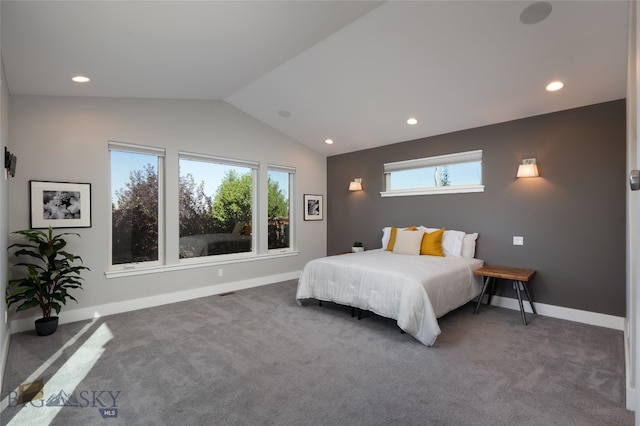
x,y
460,172
136,200
217,202
279,207
216,219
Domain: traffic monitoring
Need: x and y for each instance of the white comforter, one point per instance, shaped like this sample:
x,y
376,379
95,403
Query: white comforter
x,y
414,290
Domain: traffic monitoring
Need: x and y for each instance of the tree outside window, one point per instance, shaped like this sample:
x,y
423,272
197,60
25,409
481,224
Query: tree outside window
x,y
134,208
278,210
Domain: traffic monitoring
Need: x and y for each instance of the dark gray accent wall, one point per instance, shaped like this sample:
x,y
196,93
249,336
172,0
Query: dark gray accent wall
x,y
572,218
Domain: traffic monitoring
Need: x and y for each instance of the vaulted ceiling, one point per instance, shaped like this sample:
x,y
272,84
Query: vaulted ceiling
x,y
351,71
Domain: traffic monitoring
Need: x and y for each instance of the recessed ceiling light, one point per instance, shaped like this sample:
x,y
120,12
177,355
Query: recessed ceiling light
x,y
554,86
536,12
412,121
81,79
328,141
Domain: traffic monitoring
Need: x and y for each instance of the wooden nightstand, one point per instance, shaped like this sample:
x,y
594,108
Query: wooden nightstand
x,y
519,276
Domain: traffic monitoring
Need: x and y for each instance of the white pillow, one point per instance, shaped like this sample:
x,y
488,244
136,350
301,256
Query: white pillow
x,y
408,242
451,241
469,245
386,234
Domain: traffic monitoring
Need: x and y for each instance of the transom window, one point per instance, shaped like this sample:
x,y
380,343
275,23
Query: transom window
x,y
451,173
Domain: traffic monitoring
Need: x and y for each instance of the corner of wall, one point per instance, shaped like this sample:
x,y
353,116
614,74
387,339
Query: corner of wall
x,y
4,224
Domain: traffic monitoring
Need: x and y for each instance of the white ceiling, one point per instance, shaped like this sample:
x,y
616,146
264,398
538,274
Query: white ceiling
x,y
352,71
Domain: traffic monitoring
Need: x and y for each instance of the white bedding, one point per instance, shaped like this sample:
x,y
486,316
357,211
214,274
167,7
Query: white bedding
x,y
414,290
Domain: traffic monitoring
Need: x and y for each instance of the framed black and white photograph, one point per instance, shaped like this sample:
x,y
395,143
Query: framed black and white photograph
x,y
60,204
312,207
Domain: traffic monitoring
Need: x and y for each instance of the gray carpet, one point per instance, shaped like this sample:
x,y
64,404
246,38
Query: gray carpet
x,y
257,358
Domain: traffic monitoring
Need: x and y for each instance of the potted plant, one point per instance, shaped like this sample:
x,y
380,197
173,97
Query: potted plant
x,y
357,247
51,273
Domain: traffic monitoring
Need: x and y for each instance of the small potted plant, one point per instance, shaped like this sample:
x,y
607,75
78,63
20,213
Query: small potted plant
x,y
51,273
357,247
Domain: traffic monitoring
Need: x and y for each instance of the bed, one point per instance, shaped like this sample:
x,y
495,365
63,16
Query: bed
x,y
414,290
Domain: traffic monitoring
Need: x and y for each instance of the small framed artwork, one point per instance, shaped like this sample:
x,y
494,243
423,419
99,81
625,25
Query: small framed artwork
x,y
312,207
60,204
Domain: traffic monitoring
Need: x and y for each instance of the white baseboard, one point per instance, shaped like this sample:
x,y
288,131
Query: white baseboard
x,y
631,399
585,317
3,355
67,316
631,402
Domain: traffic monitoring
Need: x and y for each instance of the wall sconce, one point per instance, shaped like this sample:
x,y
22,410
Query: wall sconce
x,y
355,185
528,168
10,161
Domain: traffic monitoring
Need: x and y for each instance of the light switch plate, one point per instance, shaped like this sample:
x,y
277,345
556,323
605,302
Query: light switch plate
x,y
518,241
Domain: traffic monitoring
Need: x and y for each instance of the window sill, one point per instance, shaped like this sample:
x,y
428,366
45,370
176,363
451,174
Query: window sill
x,y
459,189
143,270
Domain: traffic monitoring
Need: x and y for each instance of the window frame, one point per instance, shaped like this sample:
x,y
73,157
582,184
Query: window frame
x,y
434,161
233,162
168,221
292,173
160,153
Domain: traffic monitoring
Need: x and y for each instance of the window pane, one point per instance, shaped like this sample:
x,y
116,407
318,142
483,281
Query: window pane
x,y
278,224
411,179
216,208
134,207
431,177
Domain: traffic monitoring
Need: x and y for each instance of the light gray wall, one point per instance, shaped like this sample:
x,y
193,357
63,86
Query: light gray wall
x,y
4,220
65,139
572,218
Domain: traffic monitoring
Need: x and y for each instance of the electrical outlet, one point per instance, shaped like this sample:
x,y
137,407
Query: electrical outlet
x,y
518,241
220,272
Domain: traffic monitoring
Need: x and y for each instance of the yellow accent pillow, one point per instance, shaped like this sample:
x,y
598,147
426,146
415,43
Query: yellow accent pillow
x,y
392,236
432,243
392,239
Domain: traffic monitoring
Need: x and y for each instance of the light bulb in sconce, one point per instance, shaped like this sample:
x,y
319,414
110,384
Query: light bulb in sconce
x,y
528,168
355,185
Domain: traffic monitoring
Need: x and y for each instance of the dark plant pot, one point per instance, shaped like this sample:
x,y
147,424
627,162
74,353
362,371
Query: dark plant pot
x,y
46,326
